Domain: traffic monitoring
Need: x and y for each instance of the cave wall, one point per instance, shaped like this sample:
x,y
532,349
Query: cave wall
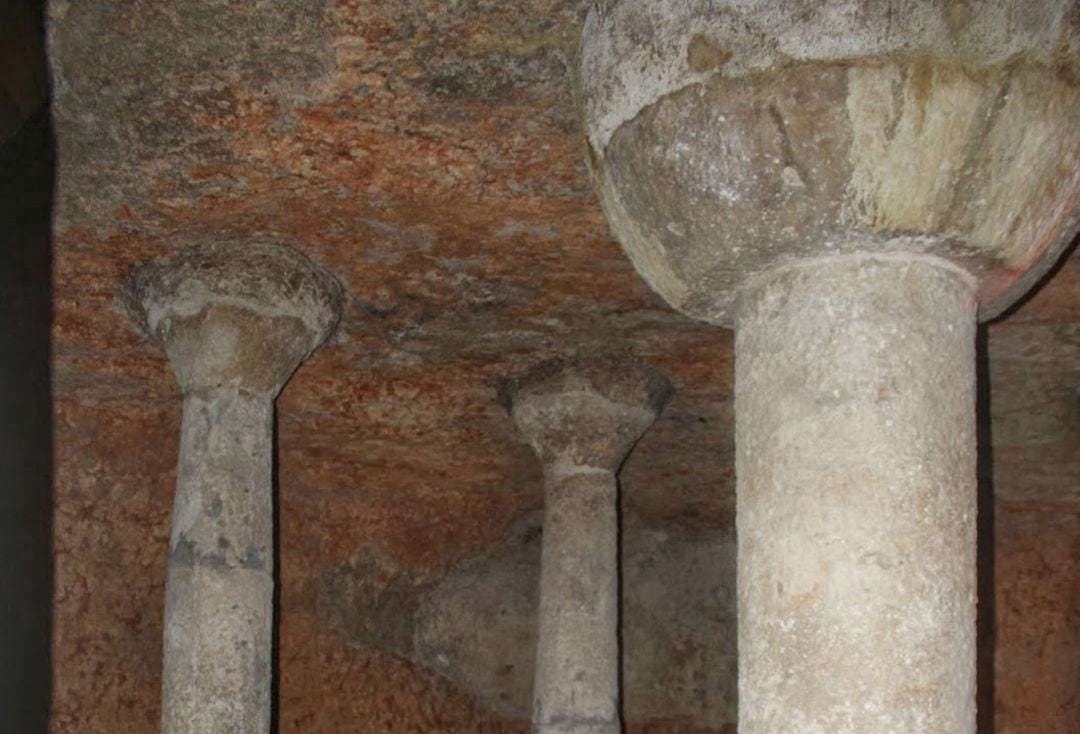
x,y
1033,456
116,443
429,155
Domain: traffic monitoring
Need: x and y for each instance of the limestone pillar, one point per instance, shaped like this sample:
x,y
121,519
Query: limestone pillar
x,y
235,321
850,186
855,513
581,419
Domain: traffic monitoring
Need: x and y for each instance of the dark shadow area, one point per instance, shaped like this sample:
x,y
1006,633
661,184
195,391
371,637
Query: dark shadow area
x,y
26,571
275,632
27,161
621,675
986,630
984,624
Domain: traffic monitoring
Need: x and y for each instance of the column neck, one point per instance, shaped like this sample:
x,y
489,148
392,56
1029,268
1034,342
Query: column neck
x,y
560,469
229,392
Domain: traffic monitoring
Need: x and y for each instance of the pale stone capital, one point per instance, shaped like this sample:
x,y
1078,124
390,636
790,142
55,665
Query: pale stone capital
x,y
587,412
242,314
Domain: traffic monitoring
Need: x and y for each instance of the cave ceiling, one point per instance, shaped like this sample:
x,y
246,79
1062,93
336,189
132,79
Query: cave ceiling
x,y
430,155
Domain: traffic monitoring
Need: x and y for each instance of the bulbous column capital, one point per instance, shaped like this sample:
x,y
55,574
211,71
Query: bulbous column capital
x,y
586,412
728,138
242,314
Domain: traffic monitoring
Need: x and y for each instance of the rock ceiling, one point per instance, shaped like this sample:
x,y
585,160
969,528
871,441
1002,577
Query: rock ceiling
x,y
428,154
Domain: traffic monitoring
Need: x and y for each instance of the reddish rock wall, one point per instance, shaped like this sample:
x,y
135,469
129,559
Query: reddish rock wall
x,y
426,471
428,154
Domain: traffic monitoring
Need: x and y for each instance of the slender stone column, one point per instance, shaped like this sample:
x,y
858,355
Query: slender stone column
x,y
581,419
235,320
849,187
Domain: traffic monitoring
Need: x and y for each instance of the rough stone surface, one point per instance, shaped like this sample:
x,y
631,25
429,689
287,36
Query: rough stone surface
x,y
235,325
585,413
431,159
581,418
234,314
576,685
475,625
856,498
219,586
1038,619
637,51
824,128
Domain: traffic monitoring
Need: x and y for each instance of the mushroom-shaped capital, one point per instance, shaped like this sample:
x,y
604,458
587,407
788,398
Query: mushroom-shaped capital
x,y
586,412
730,137
243,314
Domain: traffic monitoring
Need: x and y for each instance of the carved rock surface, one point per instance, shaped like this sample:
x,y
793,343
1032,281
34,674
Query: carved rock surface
x,y
729,138
428,154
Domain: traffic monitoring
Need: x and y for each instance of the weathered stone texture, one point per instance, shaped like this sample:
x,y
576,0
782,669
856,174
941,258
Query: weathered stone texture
x,y
1034,376
477,627
856,497
428,155
110,529
581,418
1037,651
824,128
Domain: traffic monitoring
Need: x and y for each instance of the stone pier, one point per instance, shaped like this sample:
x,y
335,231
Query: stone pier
x,y
235,319
581,418
850,186
855,513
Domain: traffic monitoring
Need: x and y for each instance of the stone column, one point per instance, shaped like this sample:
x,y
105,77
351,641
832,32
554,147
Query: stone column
x,y
235,320
855,458
581,418
850,188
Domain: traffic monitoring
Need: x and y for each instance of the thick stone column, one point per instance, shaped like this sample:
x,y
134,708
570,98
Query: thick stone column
x,y
855,458
849,185
581,419
235,320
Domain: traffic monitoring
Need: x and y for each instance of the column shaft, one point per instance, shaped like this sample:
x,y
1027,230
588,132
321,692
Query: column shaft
x,y
577,661
219,587
855,465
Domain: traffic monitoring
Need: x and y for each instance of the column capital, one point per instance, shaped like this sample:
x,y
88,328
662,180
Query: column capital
x,y
586,412
729,138
234,313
